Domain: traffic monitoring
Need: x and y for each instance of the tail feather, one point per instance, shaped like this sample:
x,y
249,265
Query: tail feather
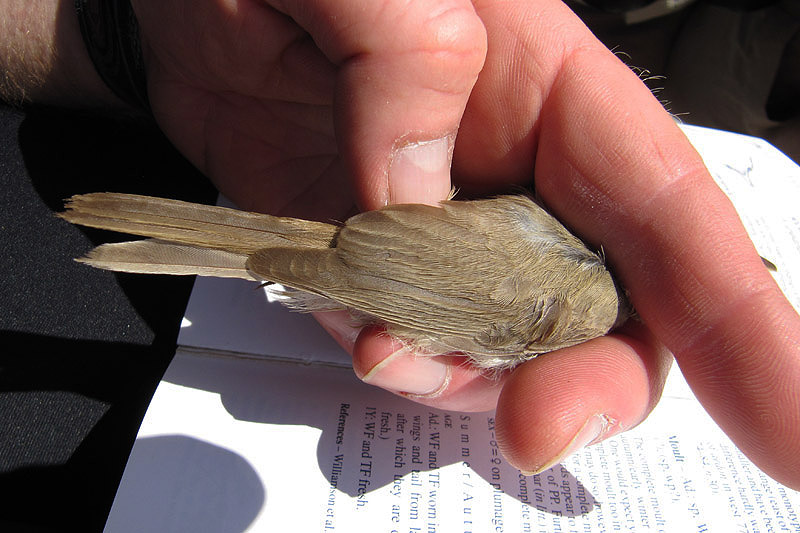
x,y
197,225
152,256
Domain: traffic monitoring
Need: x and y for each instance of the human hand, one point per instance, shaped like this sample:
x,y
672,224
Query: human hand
x,y
375,96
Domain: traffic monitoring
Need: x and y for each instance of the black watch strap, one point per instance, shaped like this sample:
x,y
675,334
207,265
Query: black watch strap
x,y
111,34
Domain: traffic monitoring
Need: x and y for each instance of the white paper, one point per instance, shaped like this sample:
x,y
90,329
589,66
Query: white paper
x,y
764,185
248,445
237,316
239,439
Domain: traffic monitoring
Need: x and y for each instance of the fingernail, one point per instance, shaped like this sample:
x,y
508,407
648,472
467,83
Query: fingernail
x,y
591,430
410,374
420,172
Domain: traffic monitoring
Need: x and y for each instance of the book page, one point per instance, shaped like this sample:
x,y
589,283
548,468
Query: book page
x,y
255,431
764,186
232,444
241,317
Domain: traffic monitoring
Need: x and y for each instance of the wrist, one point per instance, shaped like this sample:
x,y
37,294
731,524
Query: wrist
x,y
45,60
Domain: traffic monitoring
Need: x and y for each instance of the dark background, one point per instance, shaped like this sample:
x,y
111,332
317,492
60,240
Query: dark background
x,y
82,350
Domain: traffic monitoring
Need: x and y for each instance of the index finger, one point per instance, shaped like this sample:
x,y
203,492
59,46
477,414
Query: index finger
x,y
632,183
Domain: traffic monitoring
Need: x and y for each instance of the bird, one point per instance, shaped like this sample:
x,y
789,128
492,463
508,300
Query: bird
x,y
499,280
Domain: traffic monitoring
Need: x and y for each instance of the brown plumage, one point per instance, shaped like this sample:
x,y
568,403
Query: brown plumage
x,y
498,279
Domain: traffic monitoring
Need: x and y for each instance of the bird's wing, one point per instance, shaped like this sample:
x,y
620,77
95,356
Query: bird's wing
x,y
398,264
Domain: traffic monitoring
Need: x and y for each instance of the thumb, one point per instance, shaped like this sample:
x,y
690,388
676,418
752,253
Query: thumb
x,y
406,70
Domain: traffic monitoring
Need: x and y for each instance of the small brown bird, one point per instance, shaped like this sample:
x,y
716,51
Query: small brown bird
x,y
499,280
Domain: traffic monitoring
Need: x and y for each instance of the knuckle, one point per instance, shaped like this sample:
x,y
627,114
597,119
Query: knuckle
x,y
454,33
448,45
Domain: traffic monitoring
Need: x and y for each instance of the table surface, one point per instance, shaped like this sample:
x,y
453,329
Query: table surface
x,y
82,349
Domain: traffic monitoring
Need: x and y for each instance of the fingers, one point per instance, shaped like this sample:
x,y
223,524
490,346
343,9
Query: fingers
x,y
627,179
405,73
445,382
549,407
556,404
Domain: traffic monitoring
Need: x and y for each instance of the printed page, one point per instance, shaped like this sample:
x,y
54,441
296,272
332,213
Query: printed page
x,y
764,186
236,442
233,444
242,318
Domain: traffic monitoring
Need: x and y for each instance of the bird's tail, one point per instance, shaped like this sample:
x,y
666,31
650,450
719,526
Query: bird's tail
x,y
186,238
